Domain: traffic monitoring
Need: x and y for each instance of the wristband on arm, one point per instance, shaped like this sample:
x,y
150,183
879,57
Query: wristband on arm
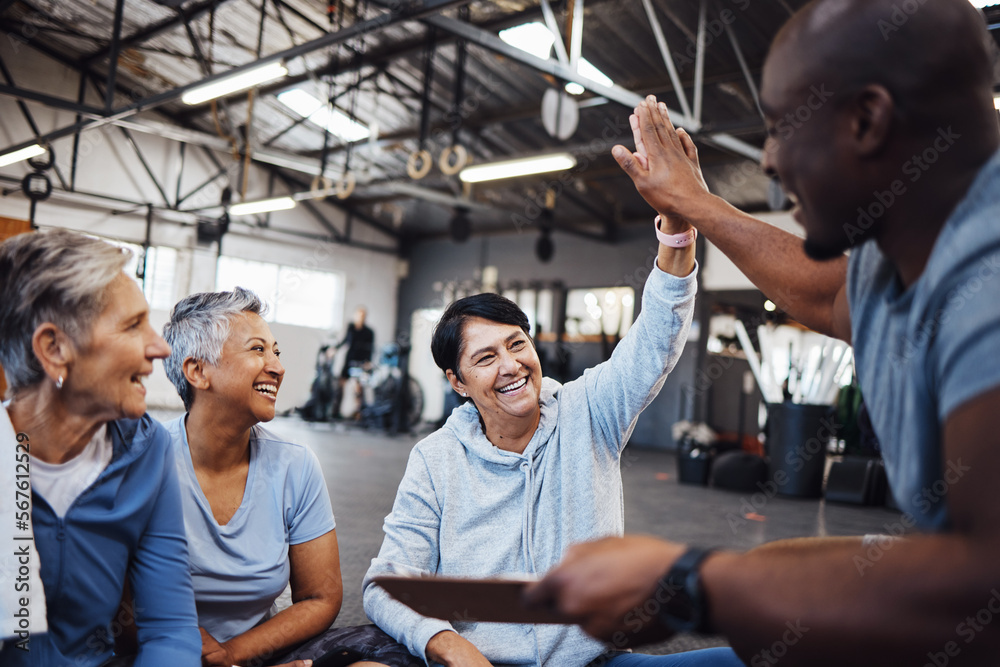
x,y
682,240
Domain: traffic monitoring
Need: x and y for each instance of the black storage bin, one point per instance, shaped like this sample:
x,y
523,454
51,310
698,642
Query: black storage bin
x,y
798,435
858,480
739,471
694,462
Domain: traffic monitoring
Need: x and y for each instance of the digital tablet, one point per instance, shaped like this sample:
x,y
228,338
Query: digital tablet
x,y
468,600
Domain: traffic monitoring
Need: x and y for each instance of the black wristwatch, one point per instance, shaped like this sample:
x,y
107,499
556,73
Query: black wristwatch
x,y
686,608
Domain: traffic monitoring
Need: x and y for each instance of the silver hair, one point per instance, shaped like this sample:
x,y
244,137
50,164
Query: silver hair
x,y
198,328
57,276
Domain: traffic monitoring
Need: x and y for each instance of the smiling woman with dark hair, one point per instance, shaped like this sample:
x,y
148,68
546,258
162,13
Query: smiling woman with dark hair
x,y
77,345
525,469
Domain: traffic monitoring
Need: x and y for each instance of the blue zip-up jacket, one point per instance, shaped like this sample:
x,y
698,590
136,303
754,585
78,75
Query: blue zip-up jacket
x,y
468,509
128,521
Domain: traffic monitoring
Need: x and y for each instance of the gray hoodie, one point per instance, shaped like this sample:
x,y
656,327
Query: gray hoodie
x,y
465,508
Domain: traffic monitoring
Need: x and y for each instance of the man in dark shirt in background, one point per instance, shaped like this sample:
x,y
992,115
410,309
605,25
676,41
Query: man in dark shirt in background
x,y
359,341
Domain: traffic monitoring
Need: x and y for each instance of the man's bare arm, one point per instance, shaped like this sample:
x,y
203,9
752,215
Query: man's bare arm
x,y
835,602
892,603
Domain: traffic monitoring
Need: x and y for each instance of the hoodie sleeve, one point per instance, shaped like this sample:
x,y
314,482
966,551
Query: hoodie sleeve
x,y
618,390
410,547
161,582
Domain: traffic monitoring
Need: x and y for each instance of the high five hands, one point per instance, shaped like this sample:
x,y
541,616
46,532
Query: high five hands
x,y
664,167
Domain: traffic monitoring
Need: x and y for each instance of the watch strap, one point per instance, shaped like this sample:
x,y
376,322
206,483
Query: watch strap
x,y
687,610
682,240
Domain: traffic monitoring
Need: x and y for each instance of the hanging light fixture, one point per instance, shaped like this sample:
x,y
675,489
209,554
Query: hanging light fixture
x,y
538,164
262,206
23,154
235,83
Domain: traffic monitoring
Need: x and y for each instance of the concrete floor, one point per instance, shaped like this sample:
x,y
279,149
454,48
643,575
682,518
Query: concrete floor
x,y
363,470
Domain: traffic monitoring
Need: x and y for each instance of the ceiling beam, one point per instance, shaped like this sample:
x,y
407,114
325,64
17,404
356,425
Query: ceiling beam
x,y
191,13
626,98
412,11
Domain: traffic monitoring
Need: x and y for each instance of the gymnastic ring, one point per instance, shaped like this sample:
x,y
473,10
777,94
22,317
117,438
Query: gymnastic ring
x,y
461,159
345,186
425,166
320,193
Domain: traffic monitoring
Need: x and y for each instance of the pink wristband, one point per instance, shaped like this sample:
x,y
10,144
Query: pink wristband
x,y
682,240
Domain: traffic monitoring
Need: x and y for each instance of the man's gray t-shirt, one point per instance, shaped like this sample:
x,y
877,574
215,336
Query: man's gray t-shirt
x,y
924,351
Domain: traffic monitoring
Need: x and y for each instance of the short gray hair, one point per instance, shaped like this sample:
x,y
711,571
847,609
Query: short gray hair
x,y
57,276
198,328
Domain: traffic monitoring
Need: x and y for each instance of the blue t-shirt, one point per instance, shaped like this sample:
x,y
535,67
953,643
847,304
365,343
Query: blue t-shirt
x,y
926,350
239,569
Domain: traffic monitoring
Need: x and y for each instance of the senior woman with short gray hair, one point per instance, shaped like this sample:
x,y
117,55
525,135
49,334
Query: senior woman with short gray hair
x,y
256,507
76,345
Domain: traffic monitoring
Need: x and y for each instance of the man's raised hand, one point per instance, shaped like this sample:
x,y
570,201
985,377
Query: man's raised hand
x,y
664,166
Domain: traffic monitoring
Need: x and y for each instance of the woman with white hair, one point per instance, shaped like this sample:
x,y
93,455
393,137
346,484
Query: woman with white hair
x,y
256,506
76,345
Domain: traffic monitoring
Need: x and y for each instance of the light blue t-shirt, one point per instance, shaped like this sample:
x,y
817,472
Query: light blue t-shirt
x,y
926,350
239,569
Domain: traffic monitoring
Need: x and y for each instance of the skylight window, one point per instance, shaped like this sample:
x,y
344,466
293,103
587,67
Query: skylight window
x,y
337,123
535,38
588,71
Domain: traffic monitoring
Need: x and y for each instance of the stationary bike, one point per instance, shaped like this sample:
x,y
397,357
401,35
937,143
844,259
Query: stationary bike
x,y
398,400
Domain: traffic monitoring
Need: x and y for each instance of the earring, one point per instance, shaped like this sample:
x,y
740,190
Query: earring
x,y
465,395
59,382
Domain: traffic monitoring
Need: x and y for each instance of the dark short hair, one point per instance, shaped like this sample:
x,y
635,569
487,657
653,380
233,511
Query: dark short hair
x,y
447,343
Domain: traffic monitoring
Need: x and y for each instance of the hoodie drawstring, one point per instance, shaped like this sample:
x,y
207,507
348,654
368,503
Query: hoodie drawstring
x,y
527,517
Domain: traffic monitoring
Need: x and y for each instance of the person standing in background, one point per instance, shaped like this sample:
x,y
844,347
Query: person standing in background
x,y
360,340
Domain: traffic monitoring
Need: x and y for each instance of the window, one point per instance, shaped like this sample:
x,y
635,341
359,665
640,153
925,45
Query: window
x,y
301,297
593,312
160,274
537,305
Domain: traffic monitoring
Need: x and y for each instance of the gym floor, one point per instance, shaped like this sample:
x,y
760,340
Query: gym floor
x,y
363,469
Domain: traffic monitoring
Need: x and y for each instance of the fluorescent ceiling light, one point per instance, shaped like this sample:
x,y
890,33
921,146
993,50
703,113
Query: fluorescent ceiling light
x,y
534,38
984,3
539,164
996,102
23,154
262,206
337,123
234,84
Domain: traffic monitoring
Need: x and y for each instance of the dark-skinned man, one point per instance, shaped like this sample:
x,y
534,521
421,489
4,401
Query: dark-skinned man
x,y
897,161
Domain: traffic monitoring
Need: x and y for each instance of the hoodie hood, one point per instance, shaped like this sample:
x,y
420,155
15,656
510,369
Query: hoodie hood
x,y
465,424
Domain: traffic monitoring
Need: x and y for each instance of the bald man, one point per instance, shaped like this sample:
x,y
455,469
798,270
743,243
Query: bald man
x,y
883,131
